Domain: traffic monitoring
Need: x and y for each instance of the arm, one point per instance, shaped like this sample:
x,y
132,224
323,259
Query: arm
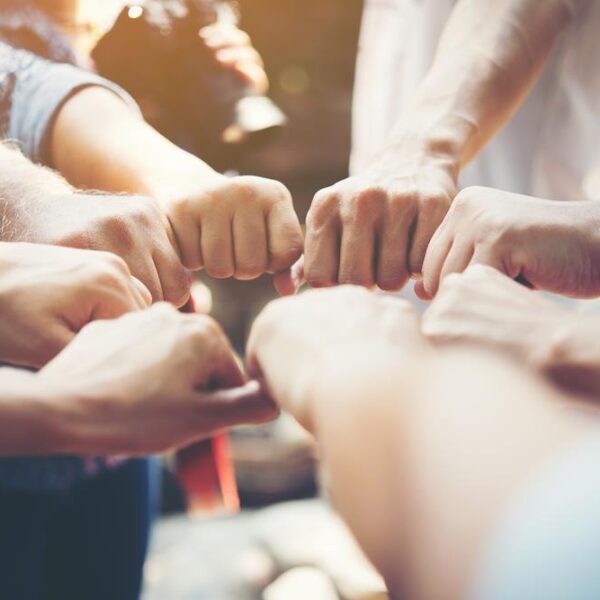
x,y
117,151
423,449
38,206
490,55
418,496
94,398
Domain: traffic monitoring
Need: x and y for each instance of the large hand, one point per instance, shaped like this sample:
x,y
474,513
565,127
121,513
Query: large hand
x,y
149,382
373,228
552,246
241,227
293,338
131,227
47,294
485,307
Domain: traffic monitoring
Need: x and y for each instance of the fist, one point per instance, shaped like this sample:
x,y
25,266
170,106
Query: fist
x,y
130,227
373,229
238,227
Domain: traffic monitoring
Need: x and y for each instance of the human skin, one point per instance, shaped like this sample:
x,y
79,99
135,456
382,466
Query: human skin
x,y
438,441
38,206
550,245
148,382
374,227
48,294
484,307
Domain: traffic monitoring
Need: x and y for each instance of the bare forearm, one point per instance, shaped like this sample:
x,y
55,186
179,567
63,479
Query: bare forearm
x,y
115,150
22,186
490,55
439,450
30,423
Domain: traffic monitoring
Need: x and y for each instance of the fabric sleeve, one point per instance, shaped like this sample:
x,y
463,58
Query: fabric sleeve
x,y
32,90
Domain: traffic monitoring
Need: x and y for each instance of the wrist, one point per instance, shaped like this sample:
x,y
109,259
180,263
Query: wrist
x,y
173,174
31,416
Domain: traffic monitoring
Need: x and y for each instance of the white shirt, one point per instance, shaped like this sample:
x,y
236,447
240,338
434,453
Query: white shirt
x,y
548,146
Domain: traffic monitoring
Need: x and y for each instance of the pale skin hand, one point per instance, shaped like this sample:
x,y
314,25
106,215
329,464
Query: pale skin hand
x,y
37,206
242,227
48,294
415,425
374,228
146,383
484,307
549,245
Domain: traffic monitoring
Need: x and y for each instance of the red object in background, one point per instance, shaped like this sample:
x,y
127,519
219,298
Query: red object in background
x,y
206,471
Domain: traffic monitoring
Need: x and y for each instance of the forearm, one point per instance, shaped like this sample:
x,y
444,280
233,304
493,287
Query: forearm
x,y
489,56
30,423
423,456
23,186
99,142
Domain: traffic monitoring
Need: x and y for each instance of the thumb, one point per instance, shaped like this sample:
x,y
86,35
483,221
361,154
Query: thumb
x,y
249,403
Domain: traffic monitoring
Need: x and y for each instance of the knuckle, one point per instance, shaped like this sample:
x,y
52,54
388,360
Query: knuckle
x,y
323,210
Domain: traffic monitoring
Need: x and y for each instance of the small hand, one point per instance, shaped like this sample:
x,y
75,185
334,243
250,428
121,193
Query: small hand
x,y
152,381
293,337
485,307
548,245
48,294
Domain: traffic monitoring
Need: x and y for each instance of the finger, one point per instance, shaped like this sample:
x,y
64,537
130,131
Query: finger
x,y
59,336
392,269
458,259
238,406
285,241
322,255
357,252
217,245
146,272
202,297
249,243
484,255
141,293
288,282
187,233
427,223
174,278
219,35
435,257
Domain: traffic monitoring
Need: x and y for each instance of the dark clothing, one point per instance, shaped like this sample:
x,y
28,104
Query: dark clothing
x,y
85,544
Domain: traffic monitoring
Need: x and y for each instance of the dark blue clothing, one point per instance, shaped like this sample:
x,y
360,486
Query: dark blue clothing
x,y
85,544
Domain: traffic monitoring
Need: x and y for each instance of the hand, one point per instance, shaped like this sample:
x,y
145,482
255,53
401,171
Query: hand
x,y
150,382
373,228
241,227
293,337
233,48
485,307
551,246
131,227
47,294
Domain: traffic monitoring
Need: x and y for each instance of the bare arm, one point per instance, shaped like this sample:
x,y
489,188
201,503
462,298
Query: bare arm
x,y
374,227
242,227
423,448
490,55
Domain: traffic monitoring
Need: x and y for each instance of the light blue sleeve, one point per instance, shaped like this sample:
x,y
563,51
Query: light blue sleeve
x,y
32,90
547,545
